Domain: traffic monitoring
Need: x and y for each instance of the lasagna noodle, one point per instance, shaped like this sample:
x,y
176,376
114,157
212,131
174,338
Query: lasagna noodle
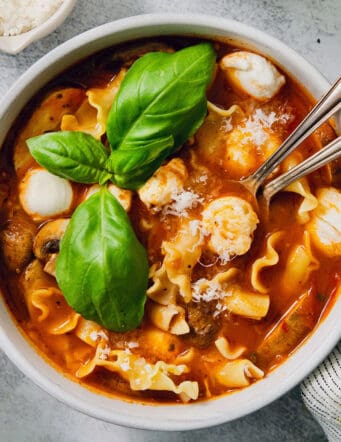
x,y
300,264
162,291
238,373
91,116
140,374
224,288
45,118
169,318
226,350
181,255
302,188
269,259
43,301
42,297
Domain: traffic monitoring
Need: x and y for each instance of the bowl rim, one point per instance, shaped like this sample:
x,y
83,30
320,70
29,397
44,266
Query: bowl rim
x,y
165,417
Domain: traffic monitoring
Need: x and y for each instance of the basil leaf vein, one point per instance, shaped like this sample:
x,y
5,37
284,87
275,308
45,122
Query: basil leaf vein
x,y
102,269
76,156
162,95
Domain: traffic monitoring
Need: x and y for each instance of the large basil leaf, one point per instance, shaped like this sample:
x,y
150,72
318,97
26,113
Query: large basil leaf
x,y
161,102
102,269
76,156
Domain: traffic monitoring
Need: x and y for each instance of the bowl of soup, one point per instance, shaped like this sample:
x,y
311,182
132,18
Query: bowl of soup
x,y
139,284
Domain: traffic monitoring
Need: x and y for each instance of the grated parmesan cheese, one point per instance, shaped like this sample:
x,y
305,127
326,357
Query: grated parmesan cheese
x,y
19,16
254,126
181,203
213,292
226,124
104,353
125,366
204,290
98,334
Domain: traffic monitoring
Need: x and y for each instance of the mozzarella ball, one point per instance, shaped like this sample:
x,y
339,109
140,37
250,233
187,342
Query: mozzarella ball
x,y
252,74
230,221
166,182
123,196
325,224
43,195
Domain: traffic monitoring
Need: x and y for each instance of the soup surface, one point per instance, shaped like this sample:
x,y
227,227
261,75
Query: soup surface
x,y
231,292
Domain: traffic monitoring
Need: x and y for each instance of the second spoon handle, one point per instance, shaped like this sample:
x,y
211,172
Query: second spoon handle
x,y
329,153
327,106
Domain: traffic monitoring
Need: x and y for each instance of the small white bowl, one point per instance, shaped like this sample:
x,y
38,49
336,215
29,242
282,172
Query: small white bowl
x,y
164,417
16,43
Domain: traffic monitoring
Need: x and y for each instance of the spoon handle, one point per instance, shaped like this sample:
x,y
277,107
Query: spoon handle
x,y
329,153
327,106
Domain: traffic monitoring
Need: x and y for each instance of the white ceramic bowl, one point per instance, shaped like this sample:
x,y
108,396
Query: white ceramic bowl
x,y
163,417
16,43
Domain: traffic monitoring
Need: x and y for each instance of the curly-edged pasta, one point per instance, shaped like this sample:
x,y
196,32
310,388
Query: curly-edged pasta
x,y
162,291
45,118
140,374
90,332
249,305
269,259
238,373
300,263
92,114
169,318
224,289
302,188
226,350
181,255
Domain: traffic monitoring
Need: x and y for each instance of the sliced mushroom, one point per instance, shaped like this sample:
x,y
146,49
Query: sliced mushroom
x,y
46,242
50,266
16,241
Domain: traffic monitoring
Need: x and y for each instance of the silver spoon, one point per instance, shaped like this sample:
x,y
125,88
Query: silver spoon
x,y
327,106
324,156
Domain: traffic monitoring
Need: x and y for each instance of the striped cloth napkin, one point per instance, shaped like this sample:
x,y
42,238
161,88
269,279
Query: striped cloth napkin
x,y
321,393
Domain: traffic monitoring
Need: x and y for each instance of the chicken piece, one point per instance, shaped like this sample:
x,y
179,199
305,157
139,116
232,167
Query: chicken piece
x,y
166,182
325,224
43,195
230,221
252,74
16,243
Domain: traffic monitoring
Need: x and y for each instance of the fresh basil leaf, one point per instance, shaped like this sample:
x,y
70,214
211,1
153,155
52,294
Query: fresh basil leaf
x,y
76,156
102,269
162,97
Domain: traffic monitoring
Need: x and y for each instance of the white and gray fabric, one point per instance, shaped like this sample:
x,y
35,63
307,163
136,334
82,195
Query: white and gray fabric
x,y
321,393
